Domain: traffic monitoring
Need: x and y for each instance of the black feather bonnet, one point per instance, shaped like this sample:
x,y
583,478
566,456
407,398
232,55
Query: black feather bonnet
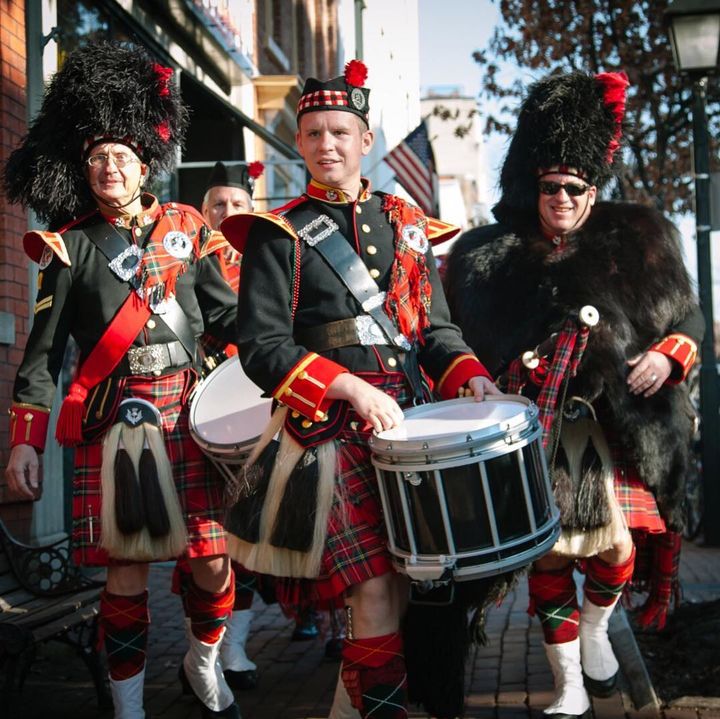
x,y
571,120
103,92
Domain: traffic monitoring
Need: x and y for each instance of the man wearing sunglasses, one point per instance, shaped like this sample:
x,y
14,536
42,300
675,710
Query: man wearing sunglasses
x,y
614,411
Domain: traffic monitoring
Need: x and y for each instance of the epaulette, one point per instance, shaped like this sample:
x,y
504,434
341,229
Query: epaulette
x,y
439,231
215,242
237,227
40,246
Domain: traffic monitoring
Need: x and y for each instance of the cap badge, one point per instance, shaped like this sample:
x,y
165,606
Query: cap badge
x,y
415,238
357,98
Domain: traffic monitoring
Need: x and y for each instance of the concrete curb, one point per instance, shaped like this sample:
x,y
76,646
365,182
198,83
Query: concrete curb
x,y
632,663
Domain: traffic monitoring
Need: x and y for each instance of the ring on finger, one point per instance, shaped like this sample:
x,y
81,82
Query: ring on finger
x,y
653,377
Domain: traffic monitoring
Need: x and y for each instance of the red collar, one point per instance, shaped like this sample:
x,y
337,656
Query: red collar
x,y
334,195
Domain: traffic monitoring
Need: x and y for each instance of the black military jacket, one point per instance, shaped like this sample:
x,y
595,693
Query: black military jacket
x,y
279,271
78,296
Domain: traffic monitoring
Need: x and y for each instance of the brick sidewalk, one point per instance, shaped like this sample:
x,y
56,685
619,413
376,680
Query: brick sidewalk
x,y
509,677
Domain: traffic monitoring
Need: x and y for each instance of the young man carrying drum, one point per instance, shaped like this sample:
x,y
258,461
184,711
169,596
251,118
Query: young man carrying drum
x,y
340,367
619,444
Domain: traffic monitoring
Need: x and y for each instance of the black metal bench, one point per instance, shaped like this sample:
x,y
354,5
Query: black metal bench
x,y
44,596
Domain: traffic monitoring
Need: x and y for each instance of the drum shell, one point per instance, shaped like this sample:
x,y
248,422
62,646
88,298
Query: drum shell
x,y
469,505
227,416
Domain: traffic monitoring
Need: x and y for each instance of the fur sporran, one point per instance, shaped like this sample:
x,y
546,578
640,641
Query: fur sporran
x,y
141,515
278,522
590,515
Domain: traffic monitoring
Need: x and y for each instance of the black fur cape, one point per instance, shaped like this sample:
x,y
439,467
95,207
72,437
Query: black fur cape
x,y
509,292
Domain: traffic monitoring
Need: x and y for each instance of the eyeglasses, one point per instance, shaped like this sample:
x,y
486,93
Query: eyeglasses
x,y
120,159
572,188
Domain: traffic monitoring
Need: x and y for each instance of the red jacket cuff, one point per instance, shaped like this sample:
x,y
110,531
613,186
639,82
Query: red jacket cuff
x,y
682,351
28,425
461,369
304,388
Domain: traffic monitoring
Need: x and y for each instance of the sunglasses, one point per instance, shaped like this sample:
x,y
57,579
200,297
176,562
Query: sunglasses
x,y
572,188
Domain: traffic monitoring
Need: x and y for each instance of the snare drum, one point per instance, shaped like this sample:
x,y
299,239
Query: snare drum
x,y
465,489
227,416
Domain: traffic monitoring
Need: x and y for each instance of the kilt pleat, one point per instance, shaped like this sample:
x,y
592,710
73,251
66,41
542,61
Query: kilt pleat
x,y
635,498
356,545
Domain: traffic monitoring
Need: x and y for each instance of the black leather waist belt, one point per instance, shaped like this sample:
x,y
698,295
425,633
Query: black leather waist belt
x,y
361,330
155,359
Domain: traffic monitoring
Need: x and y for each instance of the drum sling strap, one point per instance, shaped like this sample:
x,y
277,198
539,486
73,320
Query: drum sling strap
x,y
114,343
337,252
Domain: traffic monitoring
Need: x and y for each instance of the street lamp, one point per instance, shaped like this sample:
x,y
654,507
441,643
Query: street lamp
x,y
694,27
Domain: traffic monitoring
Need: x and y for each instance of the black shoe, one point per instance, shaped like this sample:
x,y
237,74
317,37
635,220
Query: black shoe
x,y
600,688
231,712
242,681
563,715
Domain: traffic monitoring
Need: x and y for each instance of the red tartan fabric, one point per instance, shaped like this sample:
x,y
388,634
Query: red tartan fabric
x,y
124,625
375,676
356,548
636,500
159,268
553,598
409,293
569,348
200,487
663,582
605,582
208,611
245,583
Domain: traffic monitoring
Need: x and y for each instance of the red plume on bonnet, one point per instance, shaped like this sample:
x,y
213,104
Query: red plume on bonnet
x,y
255,169
614,88
356,73
163,78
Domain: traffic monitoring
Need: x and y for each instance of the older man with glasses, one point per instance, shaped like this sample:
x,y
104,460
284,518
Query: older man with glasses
x,y
616,415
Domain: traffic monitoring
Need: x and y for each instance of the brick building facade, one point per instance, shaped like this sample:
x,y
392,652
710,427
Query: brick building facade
x,y
14,266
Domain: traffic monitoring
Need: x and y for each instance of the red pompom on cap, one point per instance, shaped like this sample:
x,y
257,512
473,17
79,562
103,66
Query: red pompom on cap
x,y
356,73
255,169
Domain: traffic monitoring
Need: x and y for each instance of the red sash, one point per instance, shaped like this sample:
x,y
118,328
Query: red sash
x,y
105,356
159,271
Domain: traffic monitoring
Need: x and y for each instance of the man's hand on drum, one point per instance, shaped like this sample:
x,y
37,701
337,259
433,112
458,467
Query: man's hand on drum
x,y
379,409
22,472
478,387
649,372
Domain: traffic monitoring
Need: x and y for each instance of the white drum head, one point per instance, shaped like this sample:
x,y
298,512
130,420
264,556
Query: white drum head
x,y
228,410
457,417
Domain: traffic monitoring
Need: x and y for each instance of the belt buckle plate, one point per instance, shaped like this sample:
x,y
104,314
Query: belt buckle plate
x,y
146,360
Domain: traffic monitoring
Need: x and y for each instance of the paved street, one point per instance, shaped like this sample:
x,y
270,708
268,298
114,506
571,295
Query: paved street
x,y
508,678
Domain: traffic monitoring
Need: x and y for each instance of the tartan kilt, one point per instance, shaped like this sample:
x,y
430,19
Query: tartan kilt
x,y
199,485
356,543
635,498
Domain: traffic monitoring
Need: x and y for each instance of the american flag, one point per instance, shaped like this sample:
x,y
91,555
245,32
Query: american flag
x,y
414,166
